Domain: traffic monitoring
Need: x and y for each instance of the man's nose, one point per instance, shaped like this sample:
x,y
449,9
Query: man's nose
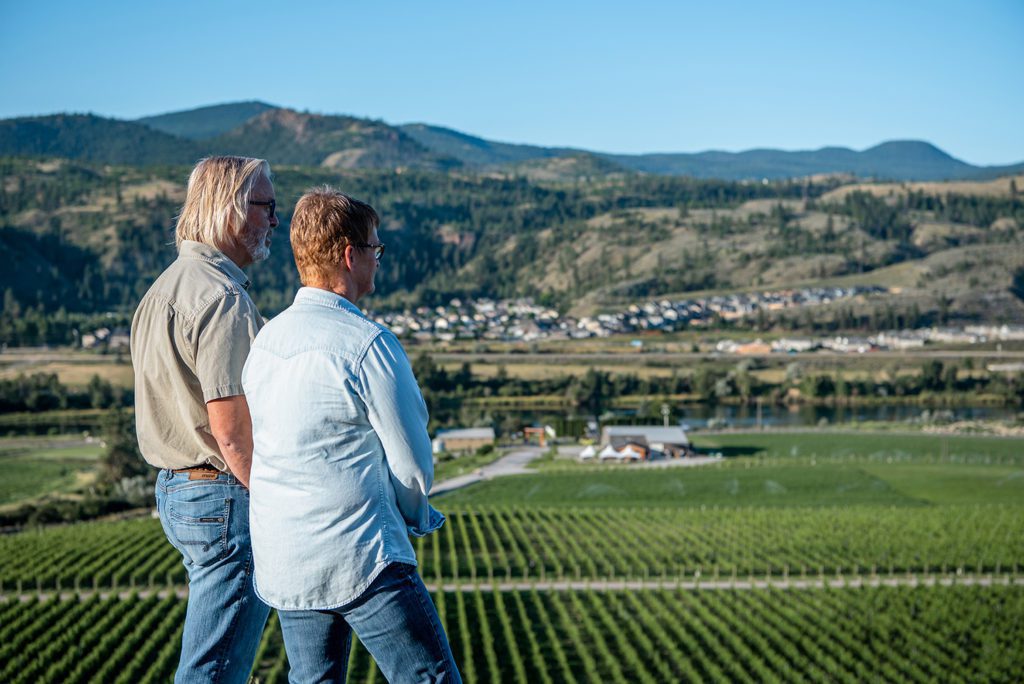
x,y
273,221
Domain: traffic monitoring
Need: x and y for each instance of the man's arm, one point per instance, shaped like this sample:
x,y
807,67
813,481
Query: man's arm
x,y
398,415
231,426
223,334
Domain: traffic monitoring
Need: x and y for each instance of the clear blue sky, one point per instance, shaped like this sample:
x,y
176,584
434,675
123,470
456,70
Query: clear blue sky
x,y
609,76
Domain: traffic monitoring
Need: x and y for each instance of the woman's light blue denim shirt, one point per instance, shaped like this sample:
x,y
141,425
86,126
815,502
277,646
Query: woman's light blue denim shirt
x,y
342,463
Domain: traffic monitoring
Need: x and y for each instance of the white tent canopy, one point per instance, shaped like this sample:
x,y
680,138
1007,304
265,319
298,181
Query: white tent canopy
x,y
630,453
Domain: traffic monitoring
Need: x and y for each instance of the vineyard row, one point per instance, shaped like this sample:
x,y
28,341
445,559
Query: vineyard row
x,y
952,634
498,544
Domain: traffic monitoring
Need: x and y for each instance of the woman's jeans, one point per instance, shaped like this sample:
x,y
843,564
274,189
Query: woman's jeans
x,y
207,520
395,620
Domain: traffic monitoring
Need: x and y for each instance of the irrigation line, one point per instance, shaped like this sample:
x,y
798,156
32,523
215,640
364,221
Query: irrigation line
x,y
688,584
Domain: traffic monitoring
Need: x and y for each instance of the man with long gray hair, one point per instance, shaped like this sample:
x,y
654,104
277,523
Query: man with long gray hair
x,y
190,337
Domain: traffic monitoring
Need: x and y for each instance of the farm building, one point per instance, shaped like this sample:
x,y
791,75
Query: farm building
x,y
462,439
647,441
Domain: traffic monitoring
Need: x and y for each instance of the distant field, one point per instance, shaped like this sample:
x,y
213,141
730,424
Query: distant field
x,y
86,419
845,446
764,486
22,478
74,368
33,467
785,469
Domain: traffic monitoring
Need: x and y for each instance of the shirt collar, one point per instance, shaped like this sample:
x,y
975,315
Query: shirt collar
x,y
314,295
190,249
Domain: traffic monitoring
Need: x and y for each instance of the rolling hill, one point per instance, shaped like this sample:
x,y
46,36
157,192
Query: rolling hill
x,y
92,138
286,136
206,122
343,142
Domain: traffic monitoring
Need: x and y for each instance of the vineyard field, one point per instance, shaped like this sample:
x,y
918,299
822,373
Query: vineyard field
x,y
530,573
495,543
779,484
952,634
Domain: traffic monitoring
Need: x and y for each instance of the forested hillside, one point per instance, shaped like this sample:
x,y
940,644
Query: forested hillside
x,y
84,238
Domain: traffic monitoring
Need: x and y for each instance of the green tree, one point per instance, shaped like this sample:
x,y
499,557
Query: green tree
x,y
101,392
931,376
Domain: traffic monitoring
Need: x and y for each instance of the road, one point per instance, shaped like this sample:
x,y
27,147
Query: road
x,y
513,463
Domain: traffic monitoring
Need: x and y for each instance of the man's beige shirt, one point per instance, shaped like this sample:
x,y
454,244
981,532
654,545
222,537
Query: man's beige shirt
x,y
190,337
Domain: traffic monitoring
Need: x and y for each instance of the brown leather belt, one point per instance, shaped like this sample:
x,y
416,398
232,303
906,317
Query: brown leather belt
x,y
204,471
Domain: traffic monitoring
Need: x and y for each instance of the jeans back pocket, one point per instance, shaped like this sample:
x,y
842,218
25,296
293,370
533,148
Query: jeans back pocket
x,y
199,529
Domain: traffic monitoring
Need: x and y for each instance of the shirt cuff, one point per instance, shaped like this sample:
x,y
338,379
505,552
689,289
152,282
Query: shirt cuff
x,y
435,519
222,391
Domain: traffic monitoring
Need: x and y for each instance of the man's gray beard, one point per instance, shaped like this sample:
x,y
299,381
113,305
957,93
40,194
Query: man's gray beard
x,y
256,244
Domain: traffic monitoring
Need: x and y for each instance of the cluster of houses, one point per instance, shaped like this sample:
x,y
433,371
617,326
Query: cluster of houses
x,y
634,443
892,340
675,315
518,319
522,320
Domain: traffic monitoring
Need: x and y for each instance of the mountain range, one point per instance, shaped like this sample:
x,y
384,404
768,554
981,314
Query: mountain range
x,y
290,137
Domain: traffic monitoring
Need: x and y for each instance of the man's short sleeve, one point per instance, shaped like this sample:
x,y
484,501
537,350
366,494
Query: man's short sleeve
x,y
223,334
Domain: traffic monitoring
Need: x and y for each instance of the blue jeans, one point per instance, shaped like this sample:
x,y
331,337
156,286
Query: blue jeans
x,y
396,621
208,522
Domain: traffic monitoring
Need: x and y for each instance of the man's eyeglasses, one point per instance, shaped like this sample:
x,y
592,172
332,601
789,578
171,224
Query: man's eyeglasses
x,y
270,204
378,249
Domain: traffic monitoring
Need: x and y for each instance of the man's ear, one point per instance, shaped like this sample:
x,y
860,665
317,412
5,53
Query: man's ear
x,y
349,255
